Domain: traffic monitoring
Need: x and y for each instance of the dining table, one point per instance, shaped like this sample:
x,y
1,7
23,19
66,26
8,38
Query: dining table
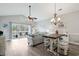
x,y
52,38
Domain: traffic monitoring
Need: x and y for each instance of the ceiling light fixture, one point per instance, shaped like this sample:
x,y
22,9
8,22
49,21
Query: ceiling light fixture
x,y
30,17
55,18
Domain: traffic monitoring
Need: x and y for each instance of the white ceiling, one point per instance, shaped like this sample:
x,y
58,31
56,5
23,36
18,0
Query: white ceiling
x,y
39,10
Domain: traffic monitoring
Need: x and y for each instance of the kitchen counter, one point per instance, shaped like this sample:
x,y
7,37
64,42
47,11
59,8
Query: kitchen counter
x,y
34,39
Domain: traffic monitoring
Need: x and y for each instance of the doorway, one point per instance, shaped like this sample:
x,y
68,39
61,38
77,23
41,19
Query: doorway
x,y
19,30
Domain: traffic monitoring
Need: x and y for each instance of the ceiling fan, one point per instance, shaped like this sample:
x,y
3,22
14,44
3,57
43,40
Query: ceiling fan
x,y
30,17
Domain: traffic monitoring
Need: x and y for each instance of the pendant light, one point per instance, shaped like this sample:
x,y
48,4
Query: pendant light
x,y
55,18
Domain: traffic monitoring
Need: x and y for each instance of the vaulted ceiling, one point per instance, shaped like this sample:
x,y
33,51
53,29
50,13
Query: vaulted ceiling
x,y
39,10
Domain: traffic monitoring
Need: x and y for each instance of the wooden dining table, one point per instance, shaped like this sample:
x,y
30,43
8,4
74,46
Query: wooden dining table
x,y
53,37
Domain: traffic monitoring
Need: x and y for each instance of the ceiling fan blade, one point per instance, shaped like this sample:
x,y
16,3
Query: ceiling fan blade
x,y
32,17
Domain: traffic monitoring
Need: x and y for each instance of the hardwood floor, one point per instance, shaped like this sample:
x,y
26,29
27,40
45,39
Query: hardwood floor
x,y
74,50
19,47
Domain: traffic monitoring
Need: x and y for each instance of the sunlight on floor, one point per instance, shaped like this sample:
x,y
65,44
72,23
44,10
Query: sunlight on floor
x,y
16,46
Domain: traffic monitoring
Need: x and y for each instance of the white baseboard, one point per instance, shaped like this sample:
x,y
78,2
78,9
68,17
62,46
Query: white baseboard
x,y
74,38
75,43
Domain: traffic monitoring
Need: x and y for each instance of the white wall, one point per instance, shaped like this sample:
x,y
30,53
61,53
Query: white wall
x,y
45,26
12,18
71,21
